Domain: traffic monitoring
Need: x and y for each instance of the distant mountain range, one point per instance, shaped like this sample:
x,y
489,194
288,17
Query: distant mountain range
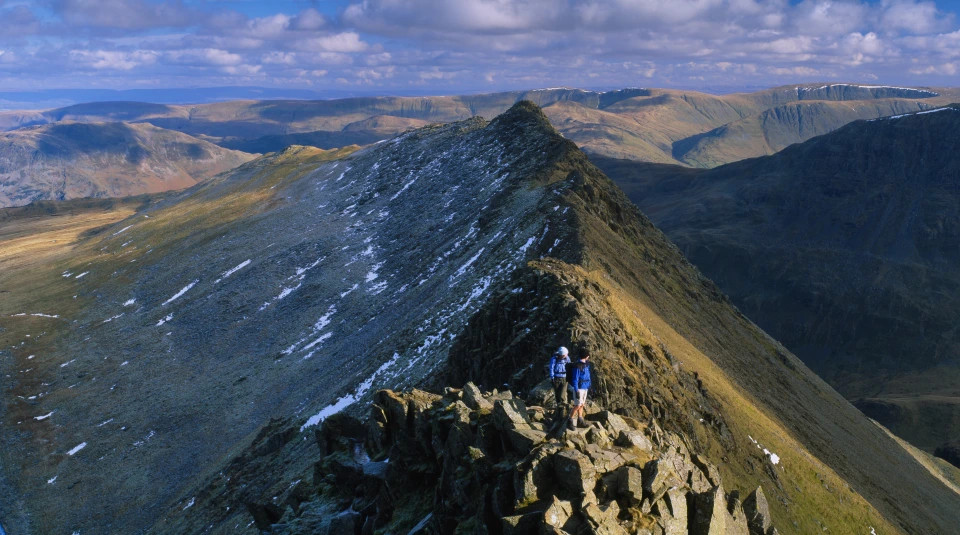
x,y
172,357
845,248
67,160
657,125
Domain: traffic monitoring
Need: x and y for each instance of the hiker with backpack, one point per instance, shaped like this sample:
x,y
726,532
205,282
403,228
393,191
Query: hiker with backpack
x,y
580,379
558,377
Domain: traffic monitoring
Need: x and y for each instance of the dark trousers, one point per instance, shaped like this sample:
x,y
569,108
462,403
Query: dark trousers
x,y
560,391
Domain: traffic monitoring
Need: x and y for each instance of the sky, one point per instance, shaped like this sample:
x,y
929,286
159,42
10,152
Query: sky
x,y
468,46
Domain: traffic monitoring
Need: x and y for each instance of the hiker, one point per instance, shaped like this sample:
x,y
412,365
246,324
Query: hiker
x,y
558,376
580,379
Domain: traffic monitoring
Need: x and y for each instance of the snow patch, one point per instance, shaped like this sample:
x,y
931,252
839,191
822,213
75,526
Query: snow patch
x,y
129,302
233,270
182,291
350,399
121,231
44,417
77,448
167,318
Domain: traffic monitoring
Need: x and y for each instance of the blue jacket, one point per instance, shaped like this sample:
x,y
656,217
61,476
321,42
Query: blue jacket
x,y
581,378
558,366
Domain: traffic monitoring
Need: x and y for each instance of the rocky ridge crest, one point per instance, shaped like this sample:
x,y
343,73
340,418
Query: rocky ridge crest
x,y
493,463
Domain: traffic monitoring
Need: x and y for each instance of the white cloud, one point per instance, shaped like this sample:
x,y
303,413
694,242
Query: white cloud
x,y
913,17
340,42
204,56
106,59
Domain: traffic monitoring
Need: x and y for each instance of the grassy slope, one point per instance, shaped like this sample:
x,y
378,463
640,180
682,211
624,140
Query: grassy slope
x,y
35,251
842,248
668,346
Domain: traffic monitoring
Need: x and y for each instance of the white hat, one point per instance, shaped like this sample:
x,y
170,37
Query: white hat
x,y
563,351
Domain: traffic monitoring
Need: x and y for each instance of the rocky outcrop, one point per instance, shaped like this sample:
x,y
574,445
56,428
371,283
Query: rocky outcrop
x,y
472,462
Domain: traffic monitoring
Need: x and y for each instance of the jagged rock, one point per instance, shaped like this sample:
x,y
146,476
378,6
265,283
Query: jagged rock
x,y
603,519
521,524
658,475
345,523
533,478
739,525
758,512
597,436
510,414
672,509
344,471
606,460
337,433
634,439
612,422
542,395
474,399
630,485
712,517
574,472
558,513
708,468
524,440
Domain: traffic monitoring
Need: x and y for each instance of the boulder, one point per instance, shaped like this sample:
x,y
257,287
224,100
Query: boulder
x,y
603,519
612,422
658,475
474,399
345,523
713,518
533,478
524,440
510,414
672,508
630,485
634,439
558,512
758,513
606,460
542,395
574,472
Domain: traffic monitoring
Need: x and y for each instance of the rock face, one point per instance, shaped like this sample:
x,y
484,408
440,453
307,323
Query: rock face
x,y
476,480
72,160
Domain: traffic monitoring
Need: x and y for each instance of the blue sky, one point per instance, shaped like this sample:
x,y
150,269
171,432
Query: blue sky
x,y
456,46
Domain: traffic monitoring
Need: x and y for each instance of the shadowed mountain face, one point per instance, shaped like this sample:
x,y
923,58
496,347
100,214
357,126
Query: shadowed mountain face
x,y
213,329
845,249
655,125
70,160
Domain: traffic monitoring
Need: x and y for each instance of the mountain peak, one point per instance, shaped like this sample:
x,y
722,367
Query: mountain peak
x,y
524,115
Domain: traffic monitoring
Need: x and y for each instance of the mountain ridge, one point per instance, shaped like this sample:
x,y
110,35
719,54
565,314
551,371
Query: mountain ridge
x,y
253,307
68,160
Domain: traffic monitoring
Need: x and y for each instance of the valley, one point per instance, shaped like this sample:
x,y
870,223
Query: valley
x,y
844,252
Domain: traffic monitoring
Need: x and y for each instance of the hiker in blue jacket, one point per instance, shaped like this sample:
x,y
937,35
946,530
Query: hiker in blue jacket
x,y
558,376
580,379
